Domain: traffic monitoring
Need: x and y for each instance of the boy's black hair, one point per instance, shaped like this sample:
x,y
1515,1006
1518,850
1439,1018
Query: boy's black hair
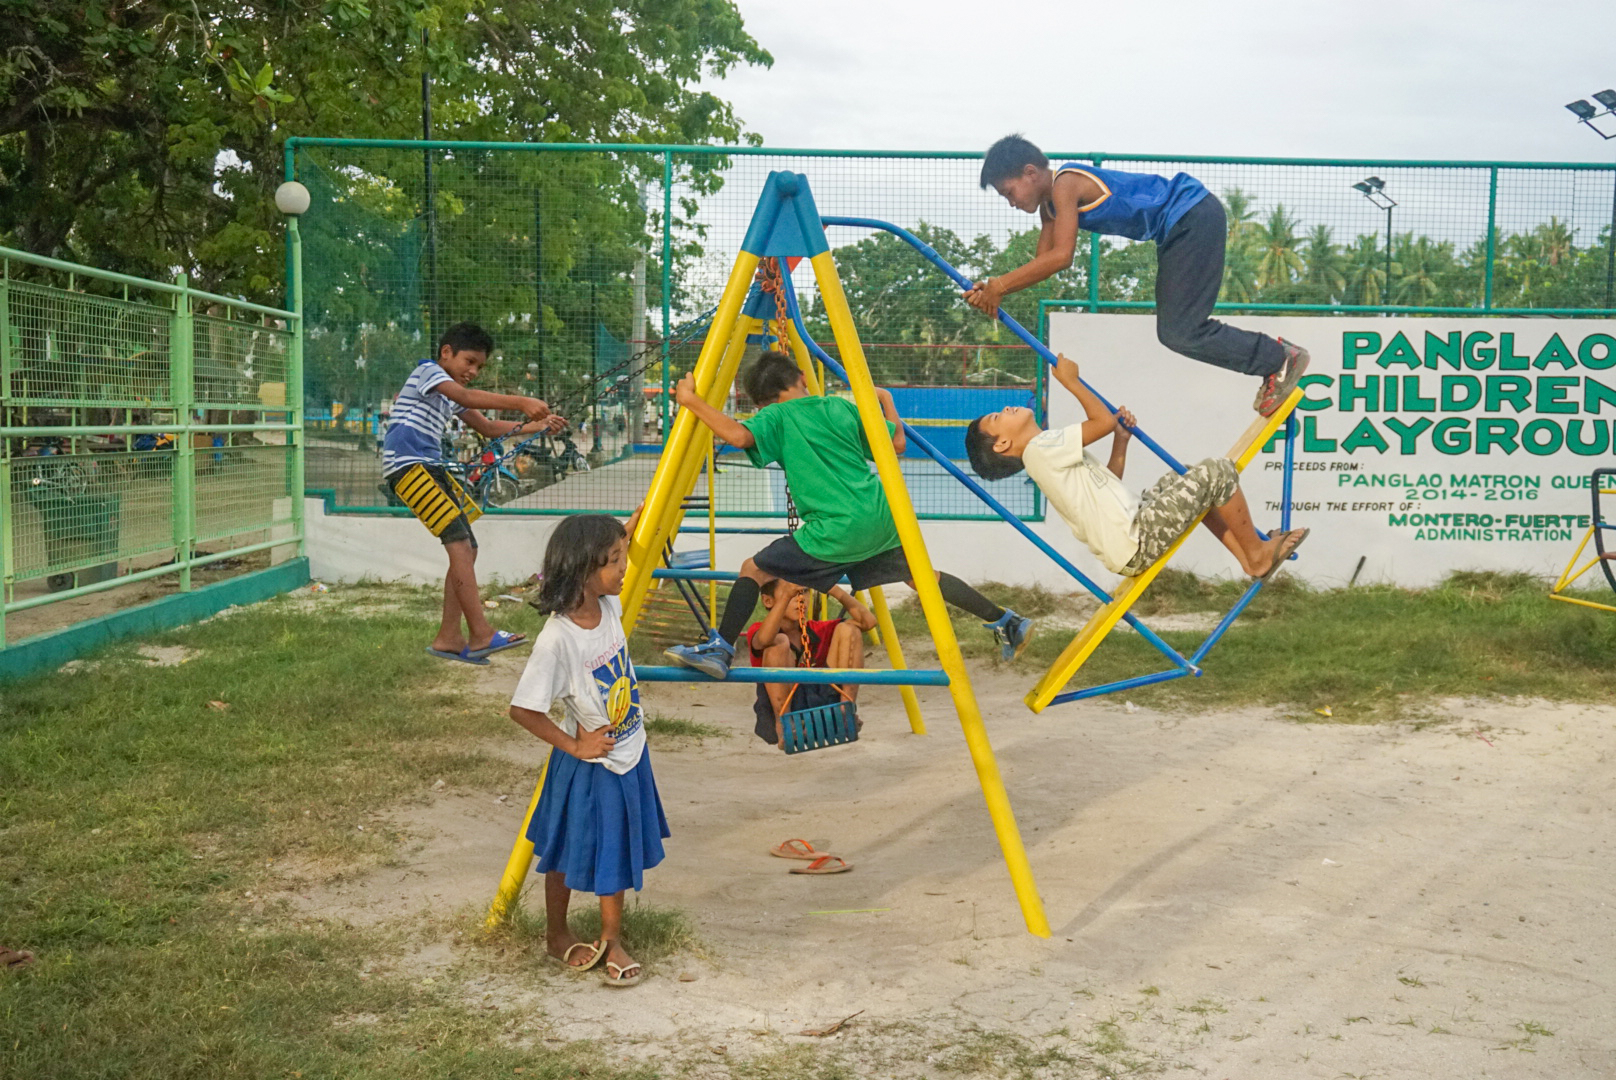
x,y
988,462
1007,157
467,336
580,545
771,374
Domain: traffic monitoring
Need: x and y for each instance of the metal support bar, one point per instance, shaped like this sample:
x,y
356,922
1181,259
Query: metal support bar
x,y
1123,684
823,676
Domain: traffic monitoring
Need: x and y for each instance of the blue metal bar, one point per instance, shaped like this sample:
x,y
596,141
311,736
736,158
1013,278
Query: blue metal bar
x,y
832,676
694,575
735,530
1290,472
1016,328
976,489
1227,621
1125,684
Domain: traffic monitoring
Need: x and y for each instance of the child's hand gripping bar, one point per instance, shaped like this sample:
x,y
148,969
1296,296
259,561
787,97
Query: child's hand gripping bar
x,y
1016,328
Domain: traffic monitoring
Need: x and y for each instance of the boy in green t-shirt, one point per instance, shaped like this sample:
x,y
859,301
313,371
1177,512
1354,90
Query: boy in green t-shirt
x,y
847,527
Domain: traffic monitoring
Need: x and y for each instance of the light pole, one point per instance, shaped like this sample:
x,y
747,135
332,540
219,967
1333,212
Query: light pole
x,y
1374,189
1586,114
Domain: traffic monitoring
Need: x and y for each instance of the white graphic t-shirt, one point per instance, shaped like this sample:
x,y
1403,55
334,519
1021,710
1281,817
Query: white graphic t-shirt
x,y
1088,496
587,673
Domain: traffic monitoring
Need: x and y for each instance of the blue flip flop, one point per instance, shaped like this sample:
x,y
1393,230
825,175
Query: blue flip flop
x,y
465,656
502,640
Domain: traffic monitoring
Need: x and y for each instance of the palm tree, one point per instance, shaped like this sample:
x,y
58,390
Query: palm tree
x,y
1278,262
1366,271
1240,256
1325,279
1425,268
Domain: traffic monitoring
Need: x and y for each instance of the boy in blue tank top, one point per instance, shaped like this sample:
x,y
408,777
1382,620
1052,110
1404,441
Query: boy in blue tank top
x,y
1189,228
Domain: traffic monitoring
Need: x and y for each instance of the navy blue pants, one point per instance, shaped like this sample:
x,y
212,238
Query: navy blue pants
x,y
1189,273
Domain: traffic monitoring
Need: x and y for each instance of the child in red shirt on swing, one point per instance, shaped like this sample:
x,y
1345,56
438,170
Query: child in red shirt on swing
x,y
778,642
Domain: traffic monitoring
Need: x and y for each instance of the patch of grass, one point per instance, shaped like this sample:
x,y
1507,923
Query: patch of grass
x,y
670,728
800,1062
981,1053
138,819
1370,653
650,933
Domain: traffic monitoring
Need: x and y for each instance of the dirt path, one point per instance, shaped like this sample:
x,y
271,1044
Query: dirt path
x,y
1232,894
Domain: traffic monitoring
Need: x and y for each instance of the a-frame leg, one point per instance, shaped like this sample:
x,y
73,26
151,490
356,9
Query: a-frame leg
x,y
1127,593
931,597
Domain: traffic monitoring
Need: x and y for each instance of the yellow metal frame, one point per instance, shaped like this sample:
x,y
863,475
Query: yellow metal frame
x,y
1568,576
674,479
1128,592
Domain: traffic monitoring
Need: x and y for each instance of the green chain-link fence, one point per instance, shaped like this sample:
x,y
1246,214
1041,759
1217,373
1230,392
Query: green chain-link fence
x,y
592,266
146,429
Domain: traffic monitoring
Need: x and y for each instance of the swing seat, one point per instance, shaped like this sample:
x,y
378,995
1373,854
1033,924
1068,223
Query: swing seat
x,y
821,726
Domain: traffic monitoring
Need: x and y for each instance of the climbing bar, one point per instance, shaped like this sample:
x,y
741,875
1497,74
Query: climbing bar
x,y
1016,328
1121,684
831,676
925,447
677,574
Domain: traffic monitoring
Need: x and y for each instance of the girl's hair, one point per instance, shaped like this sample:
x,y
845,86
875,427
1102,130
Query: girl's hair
x,y
580,545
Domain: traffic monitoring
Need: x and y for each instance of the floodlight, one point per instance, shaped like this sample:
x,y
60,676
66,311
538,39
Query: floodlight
x,y
1583,110
1363,187
1375,182
1607,98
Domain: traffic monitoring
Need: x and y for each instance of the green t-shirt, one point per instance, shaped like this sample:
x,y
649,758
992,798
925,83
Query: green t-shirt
x,y
820,443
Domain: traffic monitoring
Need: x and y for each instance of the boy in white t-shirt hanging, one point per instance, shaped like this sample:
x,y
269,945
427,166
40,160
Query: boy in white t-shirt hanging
x,y
1125,534
599,823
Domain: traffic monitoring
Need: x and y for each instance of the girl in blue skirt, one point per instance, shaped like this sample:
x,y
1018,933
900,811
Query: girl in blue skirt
x,y
599,824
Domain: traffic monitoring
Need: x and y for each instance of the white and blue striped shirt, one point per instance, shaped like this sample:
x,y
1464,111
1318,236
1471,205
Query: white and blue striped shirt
x,y
420,417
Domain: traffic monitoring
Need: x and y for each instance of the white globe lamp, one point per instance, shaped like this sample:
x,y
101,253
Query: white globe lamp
x,y
292,198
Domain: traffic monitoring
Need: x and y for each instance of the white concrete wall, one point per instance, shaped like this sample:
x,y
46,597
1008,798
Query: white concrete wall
x,y
357,547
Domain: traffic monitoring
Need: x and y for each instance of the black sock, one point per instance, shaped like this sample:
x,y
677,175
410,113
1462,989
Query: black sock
x,y
961,595
743,597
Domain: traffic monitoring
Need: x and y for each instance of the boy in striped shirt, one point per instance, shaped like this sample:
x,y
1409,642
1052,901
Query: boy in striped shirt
x,y
436,393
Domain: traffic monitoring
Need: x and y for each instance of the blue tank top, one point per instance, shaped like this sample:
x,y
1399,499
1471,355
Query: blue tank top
x,y
1140,206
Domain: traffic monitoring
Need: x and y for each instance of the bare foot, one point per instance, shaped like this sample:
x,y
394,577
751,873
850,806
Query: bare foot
x,y
572,951
621,968
452,646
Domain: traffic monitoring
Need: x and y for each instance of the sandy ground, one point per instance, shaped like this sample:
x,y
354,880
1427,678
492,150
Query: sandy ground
x,y
1233,894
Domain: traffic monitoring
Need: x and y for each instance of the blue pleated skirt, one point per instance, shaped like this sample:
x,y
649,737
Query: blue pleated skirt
x,y
601,830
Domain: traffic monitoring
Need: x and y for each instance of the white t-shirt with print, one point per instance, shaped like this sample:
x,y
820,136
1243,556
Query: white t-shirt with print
x,y
588,674
1088,496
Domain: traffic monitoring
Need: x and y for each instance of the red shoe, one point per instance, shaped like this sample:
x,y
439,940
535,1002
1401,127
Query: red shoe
x,y
1278,386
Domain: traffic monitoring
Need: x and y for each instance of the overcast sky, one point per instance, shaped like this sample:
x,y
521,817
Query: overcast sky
x,y
1479,79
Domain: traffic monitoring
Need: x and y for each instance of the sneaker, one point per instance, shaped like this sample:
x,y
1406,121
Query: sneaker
x,y
712,657
1012,632
1278,386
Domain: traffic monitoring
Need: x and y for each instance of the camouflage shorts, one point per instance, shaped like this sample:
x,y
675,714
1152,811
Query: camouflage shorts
x,y
1174,502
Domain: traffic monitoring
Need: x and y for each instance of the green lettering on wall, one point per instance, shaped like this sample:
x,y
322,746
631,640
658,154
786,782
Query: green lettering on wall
x,y
1514,389
1597,351
1451,436
1593,448
1496,431
1399,352
1444,349
1311,443
1453,400
1533,437
1356,343
1507,360
1412,401
1311,404
1476,357
1554,352
1365,434
1595,394
1351,393
1552,391
1407,434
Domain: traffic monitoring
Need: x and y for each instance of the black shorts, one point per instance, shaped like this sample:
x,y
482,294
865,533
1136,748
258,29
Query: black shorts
x,y
438,500
785,559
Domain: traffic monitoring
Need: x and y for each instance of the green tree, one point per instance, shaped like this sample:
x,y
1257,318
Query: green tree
x,y
1241,254
1366,271
1324,279
1279,263
146,137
